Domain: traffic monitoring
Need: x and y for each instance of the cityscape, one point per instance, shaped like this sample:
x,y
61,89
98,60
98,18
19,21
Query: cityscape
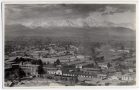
x,y
44,50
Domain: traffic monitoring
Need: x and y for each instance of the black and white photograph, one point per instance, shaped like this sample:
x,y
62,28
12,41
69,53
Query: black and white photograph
x,y
69,44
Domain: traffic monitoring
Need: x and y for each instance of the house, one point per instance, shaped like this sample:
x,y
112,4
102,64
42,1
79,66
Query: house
x,y
80,65
128,77
90,69
74,48
101,76
74,62
118,74
35,54
51,70
131,70
54,71
88,75
113,77
81,57
81,76
112,50
85,77
52,51
126,51
58,72
103,65
111,70
61,53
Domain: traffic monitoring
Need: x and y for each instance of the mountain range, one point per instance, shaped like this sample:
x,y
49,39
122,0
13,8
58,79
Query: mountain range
x,y
85,33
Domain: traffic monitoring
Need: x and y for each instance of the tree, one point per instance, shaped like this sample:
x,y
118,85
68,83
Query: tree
x,y
40,67
18,73
40,70
17,59
40,62
109,65
57,62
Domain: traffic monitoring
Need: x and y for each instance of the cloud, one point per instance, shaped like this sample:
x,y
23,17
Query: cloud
x,y
70,15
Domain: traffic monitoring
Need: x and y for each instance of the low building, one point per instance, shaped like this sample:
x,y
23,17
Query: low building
x,y
113,77
58,72
30,70
81,57
102,76
131,70
125,51
103,65
53,71
128,77
91,70
80,65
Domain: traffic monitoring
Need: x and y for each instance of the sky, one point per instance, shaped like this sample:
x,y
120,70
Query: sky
x,y
71,15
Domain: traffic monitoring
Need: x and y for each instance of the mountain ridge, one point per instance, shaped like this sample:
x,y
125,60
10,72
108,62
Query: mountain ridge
x,y
87,33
